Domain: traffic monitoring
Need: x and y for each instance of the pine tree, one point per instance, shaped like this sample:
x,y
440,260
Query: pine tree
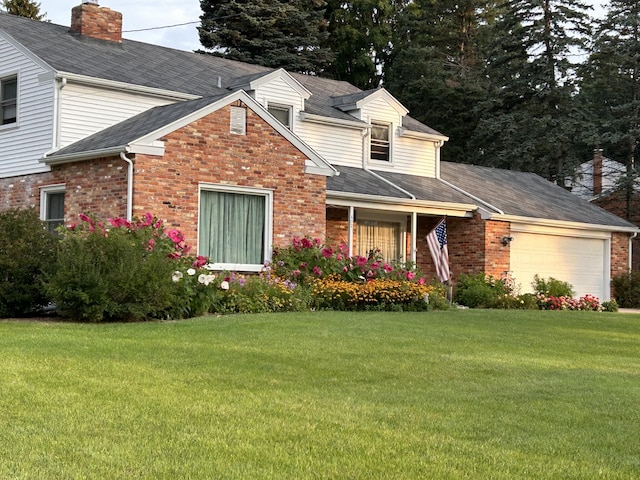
x,y
530,120
437,66
360,39
24,8
611,89
275,33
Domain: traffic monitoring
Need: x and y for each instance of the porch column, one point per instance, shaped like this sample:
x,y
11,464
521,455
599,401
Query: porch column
x,y
350,230
414,237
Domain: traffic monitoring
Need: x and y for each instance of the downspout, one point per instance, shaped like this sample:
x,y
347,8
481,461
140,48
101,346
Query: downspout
x,y
631,250
124,157
57,114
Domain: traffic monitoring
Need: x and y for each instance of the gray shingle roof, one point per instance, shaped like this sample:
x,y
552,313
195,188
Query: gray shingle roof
x,y
526,194
428,189
136,127
358,180
159,67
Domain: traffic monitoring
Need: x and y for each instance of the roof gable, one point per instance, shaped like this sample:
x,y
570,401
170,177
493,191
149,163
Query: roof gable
x,y
141,134
255,81
359,100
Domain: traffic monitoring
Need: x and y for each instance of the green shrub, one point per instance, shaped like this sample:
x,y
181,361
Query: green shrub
x,y
552,287
610,306
117,271
480,291
27,252
626,289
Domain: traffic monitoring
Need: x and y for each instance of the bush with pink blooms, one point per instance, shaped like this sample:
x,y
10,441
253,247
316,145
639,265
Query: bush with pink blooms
x,y
119,270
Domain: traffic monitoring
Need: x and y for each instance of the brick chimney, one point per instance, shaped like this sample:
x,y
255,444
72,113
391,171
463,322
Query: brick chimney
x,y
91,20
597,171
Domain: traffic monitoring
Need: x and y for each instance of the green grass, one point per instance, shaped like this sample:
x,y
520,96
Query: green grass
x,y
444,395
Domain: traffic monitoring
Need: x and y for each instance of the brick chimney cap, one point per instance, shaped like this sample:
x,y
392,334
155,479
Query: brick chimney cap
x,y
94,2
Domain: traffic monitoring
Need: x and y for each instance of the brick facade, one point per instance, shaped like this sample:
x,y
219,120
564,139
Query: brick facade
x,y
616,203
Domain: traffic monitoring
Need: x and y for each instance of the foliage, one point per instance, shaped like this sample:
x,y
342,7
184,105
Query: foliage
x,y
610,306
551,287
480,291
274,33
307,259
117,271
27,252
377,294
626,288
24,8
586,303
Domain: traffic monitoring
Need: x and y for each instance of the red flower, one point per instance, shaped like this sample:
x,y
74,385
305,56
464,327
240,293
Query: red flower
x,y
327,252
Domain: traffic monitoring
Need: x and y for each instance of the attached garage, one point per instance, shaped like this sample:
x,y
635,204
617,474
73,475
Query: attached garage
x,y
578,257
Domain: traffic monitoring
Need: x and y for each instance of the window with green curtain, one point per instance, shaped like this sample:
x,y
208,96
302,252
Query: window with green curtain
x,y
373,234
232,227
54,210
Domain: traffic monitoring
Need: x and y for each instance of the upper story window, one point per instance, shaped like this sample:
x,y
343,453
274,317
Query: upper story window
x,y
380,142
8,100
282,114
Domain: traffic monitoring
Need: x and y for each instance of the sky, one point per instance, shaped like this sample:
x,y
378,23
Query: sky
x,y
150,15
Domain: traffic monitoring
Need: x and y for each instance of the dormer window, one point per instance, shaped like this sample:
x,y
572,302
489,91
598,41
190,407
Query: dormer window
x,y
282,114
8,100
380,142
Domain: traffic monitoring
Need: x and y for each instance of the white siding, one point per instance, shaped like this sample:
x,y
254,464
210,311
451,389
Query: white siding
x,y
279,91
85,110
380,110
21,145
337,145
412,156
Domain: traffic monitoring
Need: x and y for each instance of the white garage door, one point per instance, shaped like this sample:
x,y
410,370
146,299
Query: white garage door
x,y
582,262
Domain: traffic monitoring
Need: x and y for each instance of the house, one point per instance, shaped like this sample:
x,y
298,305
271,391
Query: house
x,y
241,158
601,181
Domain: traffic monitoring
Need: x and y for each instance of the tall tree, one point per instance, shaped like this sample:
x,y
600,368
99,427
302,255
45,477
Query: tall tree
x,y
530,120
437,66
24,8
275,33
611,88
360,39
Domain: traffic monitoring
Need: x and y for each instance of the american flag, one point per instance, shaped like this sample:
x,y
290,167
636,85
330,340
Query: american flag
x,y
437,241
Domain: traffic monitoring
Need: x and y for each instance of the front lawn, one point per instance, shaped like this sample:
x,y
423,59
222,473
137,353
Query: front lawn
x,y
476,394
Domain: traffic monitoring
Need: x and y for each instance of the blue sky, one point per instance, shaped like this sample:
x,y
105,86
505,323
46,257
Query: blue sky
x,y
149,15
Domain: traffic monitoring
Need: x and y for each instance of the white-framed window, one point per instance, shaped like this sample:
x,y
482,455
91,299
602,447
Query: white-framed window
x,y
235,226
52,206
9,100
386,233
380,142
282,113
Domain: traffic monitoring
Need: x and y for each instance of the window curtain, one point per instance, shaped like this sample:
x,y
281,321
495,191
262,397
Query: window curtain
x,y
232,227
372,235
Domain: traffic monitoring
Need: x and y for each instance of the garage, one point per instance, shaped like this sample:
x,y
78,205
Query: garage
x,y
580,258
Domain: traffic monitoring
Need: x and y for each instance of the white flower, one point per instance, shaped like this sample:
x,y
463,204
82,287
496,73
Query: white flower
x,y
224,285
208,279
191,272
177,276
202,278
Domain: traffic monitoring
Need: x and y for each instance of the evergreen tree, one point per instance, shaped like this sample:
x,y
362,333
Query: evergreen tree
x,y
611,89
437,66
530,120
275,33
24,8
360,39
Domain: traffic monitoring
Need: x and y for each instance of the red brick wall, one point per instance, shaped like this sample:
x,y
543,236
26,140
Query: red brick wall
x,y
616,203
205,151
619,254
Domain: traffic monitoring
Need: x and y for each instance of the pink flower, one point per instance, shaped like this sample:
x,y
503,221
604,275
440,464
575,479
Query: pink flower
x,y
303,265
387,268
327,252
175,236
343,247
361,261
306,243
421,281
200,261
151,244
148,220
85,218
339,257
410,275
317,271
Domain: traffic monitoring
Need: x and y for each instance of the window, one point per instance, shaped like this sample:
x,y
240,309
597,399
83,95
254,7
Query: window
x,y
380,143
387,236
8,100
238,121
235,227
282,114
52,206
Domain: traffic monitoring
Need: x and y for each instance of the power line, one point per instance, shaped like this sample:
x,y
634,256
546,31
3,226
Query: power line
x,y
159,28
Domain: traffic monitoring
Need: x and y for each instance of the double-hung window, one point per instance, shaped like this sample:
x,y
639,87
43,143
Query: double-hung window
x,y
235,227
8,100
380,142
52,206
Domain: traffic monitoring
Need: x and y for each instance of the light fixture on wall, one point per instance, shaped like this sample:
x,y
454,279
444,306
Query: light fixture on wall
x,y
506,240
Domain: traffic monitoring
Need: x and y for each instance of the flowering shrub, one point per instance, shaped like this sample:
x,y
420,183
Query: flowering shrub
x,y
588,302
306,260
26,256
377,294
118,270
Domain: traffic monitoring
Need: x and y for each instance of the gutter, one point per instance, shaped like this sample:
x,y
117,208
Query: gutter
x,y
129,162
472,197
